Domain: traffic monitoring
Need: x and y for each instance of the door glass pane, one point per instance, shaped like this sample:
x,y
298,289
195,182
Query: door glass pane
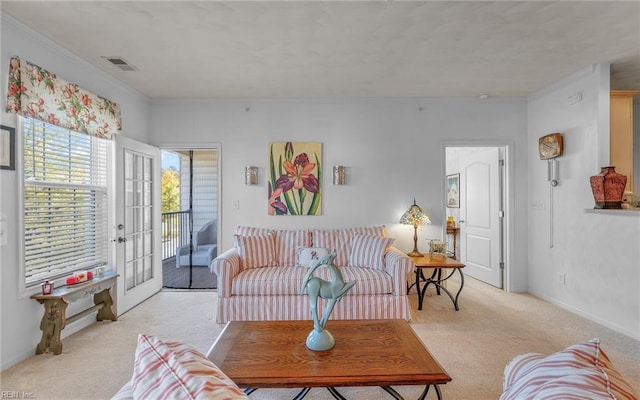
x,y
128,221
148,268
129,275
147,169
129,254
139,272
147,219
146,193
147,243
128,165
138,167
139,246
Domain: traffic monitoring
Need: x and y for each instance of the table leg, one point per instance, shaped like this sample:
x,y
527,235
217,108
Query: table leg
x,y
53,322
426,391
106,312
454,300
335,393
420,292
392,392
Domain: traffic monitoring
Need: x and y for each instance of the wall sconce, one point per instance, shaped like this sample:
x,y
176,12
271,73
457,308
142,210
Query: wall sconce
x,y
250,175
339,175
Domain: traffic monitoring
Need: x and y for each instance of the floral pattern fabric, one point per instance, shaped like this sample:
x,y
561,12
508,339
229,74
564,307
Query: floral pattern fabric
x,y
37,93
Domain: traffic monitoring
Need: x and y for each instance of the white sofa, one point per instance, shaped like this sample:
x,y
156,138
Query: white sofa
x,y
260,277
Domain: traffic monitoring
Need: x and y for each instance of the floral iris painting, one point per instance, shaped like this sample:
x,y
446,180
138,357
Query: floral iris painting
x,y
294,178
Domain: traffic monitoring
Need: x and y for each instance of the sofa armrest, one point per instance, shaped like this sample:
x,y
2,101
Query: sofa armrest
x,y
398,265
226,266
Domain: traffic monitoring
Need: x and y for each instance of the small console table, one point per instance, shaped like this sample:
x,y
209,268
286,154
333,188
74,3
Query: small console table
x,y
437,264
55,305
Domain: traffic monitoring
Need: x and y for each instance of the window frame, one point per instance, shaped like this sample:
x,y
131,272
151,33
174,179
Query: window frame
x,y
24,289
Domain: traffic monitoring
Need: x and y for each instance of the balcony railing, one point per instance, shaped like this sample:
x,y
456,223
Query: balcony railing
x,y
175,232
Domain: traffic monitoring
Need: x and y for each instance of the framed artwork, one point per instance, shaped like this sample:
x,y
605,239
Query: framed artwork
x,y
453,191
7,147
294,178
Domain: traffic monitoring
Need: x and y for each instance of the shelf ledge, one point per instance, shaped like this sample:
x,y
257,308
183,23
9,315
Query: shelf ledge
x,y
622,211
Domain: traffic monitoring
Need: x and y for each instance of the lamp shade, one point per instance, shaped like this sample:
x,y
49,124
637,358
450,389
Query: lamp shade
x,y
415,216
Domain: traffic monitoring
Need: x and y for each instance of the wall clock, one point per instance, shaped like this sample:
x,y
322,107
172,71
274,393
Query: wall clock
x,y
550,146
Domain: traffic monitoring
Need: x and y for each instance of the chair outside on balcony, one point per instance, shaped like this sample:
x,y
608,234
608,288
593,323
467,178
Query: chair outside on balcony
x,y
205,247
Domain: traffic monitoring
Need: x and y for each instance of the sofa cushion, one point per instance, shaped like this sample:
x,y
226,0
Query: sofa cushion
x,y
171,370
337,241
288,280
256,251
287,241
581,371
368,251
268,281
306,256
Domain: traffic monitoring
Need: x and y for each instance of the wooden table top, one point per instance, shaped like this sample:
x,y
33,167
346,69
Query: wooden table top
x,y
436,262
273,354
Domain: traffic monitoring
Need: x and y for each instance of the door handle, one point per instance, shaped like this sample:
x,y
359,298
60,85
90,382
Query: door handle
x,y
122,240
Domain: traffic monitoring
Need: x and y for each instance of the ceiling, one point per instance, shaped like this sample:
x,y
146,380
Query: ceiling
x,y
328,49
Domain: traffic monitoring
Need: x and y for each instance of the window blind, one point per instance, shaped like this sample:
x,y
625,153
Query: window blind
x,y
65,201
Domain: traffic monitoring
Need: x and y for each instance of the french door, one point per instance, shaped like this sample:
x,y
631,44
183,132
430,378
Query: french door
x,y
138,248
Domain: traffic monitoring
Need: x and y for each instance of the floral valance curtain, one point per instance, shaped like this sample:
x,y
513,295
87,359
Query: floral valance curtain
x,y
37,93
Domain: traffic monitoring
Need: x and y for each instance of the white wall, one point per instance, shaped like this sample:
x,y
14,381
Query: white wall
x,y
392,148
20,323
598,252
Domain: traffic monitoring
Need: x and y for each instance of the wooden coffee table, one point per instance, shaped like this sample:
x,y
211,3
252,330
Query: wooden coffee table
x,y
273,354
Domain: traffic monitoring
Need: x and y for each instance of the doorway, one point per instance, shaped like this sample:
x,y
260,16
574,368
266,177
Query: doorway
x,y
479,208
189,217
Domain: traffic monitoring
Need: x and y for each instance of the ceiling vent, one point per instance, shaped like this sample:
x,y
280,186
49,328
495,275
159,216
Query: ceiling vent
x,y
121,63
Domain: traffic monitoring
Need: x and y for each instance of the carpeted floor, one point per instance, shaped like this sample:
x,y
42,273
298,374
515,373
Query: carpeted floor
x,y
473,345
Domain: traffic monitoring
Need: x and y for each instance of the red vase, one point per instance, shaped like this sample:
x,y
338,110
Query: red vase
x,y
608,188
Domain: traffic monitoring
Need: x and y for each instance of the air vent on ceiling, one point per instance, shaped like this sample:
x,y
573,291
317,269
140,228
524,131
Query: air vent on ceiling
x,y
121,63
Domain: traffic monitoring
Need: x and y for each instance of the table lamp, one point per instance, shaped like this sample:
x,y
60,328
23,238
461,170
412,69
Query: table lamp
x,y
415,216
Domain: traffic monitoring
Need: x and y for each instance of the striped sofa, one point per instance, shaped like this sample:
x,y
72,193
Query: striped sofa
x,y
581,371
260,277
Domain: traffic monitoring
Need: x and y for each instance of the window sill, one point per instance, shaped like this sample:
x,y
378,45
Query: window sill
x,y
622,211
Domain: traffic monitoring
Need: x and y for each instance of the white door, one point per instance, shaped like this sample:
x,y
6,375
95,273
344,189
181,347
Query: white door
x,y
480,215
138,248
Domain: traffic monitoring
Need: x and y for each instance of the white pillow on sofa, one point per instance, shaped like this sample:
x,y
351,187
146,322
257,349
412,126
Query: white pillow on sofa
x,y
580,371
306,256
172,370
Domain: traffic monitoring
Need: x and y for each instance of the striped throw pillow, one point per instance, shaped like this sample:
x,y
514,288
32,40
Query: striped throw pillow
x,y
287,241
172,370
252,231
368,251
380,230
337,240
256,251
581,371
